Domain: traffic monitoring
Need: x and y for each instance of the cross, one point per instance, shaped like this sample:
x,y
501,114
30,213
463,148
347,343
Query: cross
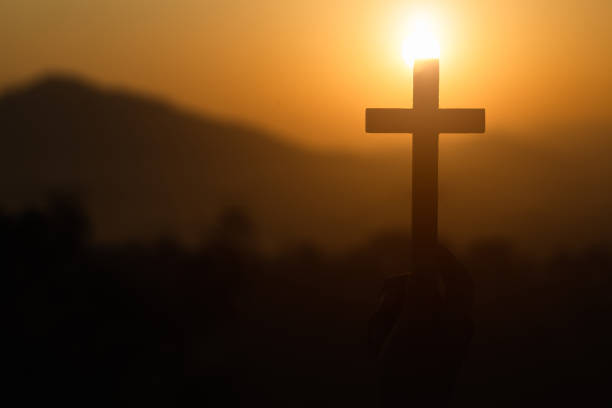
x,y
425,121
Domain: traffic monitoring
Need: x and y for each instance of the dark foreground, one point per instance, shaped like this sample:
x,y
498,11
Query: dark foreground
x,y
223,325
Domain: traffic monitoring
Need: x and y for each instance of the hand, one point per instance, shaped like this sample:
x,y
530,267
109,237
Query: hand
x,y
421,330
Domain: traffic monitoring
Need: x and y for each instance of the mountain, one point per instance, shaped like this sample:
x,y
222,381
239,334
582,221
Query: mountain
x,y
144,168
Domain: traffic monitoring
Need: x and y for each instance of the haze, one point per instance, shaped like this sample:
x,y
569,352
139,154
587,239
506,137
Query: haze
x,y
306,70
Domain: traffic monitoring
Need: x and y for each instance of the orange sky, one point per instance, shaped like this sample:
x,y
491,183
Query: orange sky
x,y
307,69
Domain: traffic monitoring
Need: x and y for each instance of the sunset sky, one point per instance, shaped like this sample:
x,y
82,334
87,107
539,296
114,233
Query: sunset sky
x,y
307,69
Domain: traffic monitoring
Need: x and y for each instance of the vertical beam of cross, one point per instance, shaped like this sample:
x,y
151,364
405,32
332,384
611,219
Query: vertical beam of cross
x,y
425,121
425,156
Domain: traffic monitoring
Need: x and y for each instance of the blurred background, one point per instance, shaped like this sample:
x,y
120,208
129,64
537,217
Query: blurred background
x,y
192,212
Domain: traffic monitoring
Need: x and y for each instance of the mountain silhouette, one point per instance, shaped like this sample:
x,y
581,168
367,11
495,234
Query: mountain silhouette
x,y
144,168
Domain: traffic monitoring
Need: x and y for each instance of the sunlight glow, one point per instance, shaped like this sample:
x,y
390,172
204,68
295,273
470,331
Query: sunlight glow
x,y
422,42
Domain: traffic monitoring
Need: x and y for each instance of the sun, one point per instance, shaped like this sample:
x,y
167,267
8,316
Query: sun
x,y
421,42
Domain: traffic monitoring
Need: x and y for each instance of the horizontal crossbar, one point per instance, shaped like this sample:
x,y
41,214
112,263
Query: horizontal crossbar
x,y
383,120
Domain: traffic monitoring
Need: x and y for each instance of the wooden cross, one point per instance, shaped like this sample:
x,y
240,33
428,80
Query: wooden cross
x,y
425,121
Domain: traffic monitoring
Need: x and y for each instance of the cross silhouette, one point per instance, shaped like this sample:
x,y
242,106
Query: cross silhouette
x,y
425,121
